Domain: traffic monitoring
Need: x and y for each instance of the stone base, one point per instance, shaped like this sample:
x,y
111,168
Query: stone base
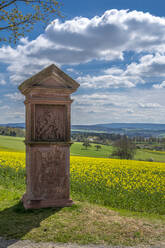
x,y
36,204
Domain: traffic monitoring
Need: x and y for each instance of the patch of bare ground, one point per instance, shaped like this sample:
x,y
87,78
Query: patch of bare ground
x,y
86,223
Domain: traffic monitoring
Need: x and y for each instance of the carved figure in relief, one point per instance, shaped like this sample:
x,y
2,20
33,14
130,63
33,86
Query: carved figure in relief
x,y
46,127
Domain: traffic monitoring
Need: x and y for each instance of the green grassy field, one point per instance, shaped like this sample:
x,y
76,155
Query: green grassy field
x,y
85,222
17,144
77,149
12,143
147,155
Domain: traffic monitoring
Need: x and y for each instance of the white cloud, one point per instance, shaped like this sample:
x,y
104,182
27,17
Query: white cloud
x,y
2,82
2,79
159,86
107,37
15,96
149,66
113,31
72,70
149,105
81,40
135,105
97,100
12,113
4,107
105,81
111,78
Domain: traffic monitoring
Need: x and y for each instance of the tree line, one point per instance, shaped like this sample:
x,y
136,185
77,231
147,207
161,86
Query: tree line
x,y
108,138
12,131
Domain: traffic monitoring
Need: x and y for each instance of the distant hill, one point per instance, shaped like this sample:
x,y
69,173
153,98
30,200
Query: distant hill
x,y
18,125
134,125
130,129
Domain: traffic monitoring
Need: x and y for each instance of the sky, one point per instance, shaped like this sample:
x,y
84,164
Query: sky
x,y
115,49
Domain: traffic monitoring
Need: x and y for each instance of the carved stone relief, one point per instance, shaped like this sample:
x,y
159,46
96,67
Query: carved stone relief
x,y
50,176
50,122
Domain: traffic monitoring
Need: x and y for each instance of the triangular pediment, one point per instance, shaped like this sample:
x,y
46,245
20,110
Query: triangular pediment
x,y
50,77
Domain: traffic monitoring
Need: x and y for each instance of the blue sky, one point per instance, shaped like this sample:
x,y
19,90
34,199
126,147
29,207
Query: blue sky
x,y
115,49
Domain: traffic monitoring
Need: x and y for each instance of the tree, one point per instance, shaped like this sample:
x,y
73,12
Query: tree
x,y
19,16
98,147
124,148
86,144
163,143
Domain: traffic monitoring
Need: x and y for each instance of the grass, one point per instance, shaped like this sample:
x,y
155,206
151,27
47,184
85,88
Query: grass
x,y
105,152
156,156
77,149
8,143
83,223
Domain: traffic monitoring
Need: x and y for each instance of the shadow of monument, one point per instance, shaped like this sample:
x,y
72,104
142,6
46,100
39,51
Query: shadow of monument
x,y
15,222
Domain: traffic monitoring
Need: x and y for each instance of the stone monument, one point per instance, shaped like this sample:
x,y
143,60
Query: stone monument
x,y
48,107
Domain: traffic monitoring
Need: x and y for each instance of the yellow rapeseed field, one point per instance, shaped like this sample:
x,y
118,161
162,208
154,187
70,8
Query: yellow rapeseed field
x,y
13,160
128,174
134,185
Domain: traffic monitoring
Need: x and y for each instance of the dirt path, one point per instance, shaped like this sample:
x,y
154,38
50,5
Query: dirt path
x,y
29,244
